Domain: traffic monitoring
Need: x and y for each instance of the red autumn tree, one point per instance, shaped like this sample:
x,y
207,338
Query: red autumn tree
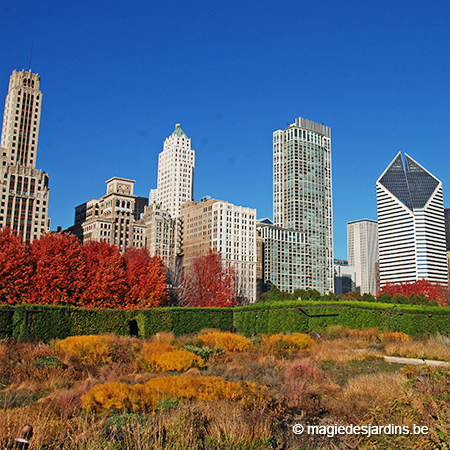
x,y
432,291
59,270
15,268
105,282
206,282
146,279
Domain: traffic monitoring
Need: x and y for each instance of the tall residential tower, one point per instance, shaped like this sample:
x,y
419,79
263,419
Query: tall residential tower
x,y
25,191
302,195
411,224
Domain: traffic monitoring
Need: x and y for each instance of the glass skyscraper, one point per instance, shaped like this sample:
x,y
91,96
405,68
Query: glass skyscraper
x,y
302,195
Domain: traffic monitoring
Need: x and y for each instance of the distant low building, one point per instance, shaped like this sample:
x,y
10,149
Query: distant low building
x,y
113,217
216,225
286,259
344,277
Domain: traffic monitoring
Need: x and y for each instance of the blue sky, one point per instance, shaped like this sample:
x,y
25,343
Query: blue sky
x,y
117,76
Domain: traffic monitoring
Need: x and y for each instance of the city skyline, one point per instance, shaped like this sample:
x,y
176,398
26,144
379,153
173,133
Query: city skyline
x,y
115,81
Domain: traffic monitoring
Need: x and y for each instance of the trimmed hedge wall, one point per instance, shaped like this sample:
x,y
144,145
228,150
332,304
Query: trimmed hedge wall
x,y
58,322
290,316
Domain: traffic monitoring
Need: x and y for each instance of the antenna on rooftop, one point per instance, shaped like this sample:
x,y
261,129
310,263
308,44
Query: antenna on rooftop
x,y
31,53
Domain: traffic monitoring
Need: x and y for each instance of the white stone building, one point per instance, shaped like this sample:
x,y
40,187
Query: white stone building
x,y
175,173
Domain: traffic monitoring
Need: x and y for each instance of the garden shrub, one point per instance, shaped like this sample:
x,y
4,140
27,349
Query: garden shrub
x,y
145,398
161,357
287,342
229,342
91,350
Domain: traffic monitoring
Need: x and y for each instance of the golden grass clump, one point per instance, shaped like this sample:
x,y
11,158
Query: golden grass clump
x,y
394,336
161,357
164,337
429,349
287,342
227,341
144,398
91,349
364,392
368,335
340,350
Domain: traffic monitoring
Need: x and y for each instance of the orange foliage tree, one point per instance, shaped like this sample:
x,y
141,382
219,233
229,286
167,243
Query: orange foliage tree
x,y
146,279
206,282
59,270
105,282
15,268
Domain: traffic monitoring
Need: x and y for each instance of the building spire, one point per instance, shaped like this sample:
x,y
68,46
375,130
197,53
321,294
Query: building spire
x,y
31,53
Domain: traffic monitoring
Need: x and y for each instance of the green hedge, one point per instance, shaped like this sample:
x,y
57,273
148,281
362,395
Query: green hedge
x,y
58,322
286,316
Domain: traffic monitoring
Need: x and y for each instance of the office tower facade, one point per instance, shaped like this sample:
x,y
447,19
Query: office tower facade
x,y
362,254
159,232
25,190
175,173
411,224
447,228
302,194
114,218
216,225
286,260
344,277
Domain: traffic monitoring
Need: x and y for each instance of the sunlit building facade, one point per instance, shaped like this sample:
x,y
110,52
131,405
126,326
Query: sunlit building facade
x,y
302,195
411,224
25,190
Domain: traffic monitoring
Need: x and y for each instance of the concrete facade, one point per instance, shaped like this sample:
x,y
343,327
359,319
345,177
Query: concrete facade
x,y
286,259
216,225
362,254
112,218
25,190
175,173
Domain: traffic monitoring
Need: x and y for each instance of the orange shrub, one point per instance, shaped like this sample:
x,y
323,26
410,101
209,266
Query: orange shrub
x,y
116,396
287,342
395,336
90,349
161,357
229,342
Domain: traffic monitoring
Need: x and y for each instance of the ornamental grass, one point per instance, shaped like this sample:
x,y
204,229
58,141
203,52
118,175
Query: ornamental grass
x,y
146,397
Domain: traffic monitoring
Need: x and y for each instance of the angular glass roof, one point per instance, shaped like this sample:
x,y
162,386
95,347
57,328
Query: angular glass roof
x,y
412,185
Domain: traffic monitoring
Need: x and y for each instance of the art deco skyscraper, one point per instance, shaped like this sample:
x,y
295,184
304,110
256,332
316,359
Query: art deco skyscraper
x,y
175,173
411,224
25,191
362,254
302,195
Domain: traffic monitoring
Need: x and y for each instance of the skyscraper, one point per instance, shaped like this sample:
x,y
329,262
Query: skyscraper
x,y
25,191
302,194
411,224
362,253
175,173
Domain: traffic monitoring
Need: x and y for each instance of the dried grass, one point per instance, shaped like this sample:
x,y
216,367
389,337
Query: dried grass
x,y
364,392
429,349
